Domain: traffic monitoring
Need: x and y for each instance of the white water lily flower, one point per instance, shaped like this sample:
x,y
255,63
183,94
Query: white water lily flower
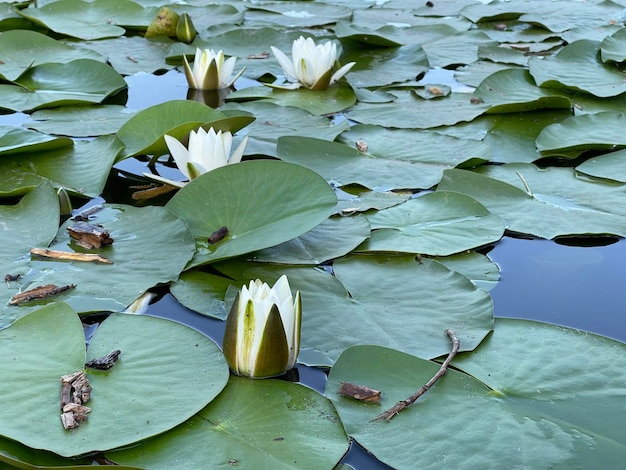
x,y
262,337
311,65
210,70
207,151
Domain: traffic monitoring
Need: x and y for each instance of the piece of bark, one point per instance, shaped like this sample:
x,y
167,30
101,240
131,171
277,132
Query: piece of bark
x,y
37,293
104,362
359,392
69,255
90,235
218,235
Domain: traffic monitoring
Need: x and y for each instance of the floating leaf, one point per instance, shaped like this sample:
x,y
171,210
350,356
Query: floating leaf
x,y
259,218
440,223
91,20
80,121
14,140
543,202
150,246
24,49
48,85
124,408
251,424
562,412
592,76
611,166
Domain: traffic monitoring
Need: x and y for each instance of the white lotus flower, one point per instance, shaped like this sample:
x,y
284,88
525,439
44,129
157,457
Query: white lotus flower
x,y
262,337
207,151
311,65
210,70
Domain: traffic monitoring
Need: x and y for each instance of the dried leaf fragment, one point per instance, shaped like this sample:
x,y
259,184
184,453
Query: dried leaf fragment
x,y
104,362
69,255
37,293
359,392
75,391
361,146
90,235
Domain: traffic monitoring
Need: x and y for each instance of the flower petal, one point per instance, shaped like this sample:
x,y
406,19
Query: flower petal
x,y
179,153
285,64
341,72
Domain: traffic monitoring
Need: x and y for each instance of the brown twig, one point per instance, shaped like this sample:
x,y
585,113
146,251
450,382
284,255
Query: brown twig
x,y
402,404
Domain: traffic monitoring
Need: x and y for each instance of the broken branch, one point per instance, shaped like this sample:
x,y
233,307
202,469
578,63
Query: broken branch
x,y
402,404
68,255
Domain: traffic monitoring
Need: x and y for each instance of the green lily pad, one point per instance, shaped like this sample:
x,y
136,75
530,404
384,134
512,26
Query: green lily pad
x,y
77,82
392,161
129,55
296,14
123,408
317,102
611,166
373,65
543,202
578,134
361,200
559,413
14,140
252,424
478,268
80,121
143,132
150,246
367,34
91,20
261,217
23,49
592,76
81,169
559,16
438,224
333,238
613,48
410,111
514,91
391,301
274,121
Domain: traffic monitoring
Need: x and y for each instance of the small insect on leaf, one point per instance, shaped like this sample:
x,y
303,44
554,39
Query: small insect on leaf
x,y
359,392
218,235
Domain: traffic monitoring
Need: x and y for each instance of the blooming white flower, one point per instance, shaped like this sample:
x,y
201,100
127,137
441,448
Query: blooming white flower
x,y
207,151
262,337
311,65
210,70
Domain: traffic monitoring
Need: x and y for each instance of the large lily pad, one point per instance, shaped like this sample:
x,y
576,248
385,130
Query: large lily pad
x,y
80,121
253,424
543,202
156,353
14,140
91,20
151,246
392,301
611,166
262,203
274,121
297,14
438,224
411,111
77,82
578,134
143,133
23,49
592,75
81,169
559,413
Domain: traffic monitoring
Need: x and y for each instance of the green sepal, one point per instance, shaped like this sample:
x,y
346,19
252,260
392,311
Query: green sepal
x,y
212,78
323,82
273,355
229,342
185,30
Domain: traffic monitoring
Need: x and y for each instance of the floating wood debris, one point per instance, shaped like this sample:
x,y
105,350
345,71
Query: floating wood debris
x,y
37,293
90,235
69,255
359,392
104,362
75,392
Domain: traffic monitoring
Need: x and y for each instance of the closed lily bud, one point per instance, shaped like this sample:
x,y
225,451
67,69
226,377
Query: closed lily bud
x,y
262,337
311,65
185,30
